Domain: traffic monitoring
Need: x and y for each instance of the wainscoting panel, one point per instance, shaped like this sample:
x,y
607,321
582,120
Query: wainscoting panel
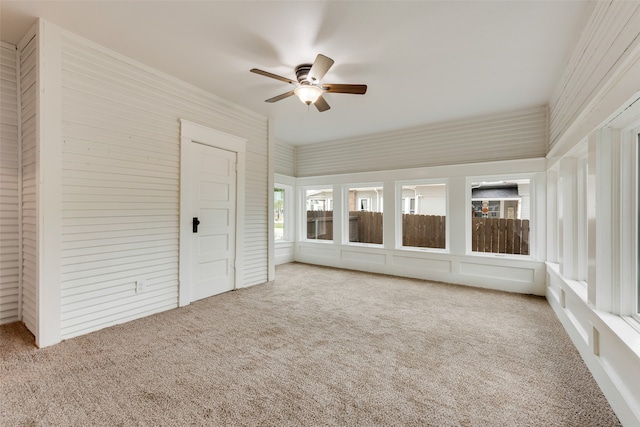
x,y
284,252
511,275
363,258
320,251
517,274
441,266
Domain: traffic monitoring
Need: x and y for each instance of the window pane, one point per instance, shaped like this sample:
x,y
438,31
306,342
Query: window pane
x,y
365,214
424,215
319,206
278,214
500,218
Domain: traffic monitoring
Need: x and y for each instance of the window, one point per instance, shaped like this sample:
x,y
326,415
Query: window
x,y
278,214
319,213
424,214
365,214
500,216
363,205
283,216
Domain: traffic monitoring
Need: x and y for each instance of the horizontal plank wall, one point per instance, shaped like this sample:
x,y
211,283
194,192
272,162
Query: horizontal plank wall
x,y
120,185
9,184
508,136
284,159
28,75
605,48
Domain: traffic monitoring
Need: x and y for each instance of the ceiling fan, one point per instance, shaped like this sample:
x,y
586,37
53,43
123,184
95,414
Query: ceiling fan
x,y
308,87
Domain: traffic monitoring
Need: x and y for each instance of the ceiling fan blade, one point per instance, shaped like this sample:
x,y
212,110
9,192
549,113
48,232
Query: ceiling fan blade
x,y
321,104
319,68
279,97
339,88
273,76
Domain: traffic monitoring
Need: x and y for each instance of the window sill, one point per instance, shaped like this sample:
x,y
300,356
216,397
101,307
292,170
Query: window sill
x,y
365,245
423,250
491,255
322,242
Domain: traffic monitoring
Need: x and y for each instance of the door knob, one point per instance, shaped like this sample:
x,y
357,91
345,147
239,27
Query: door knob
x,y
196,223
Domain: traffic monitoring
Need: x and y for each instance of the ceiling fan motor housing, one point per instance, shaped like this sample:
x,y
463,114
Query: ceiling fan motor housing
x,y
302,71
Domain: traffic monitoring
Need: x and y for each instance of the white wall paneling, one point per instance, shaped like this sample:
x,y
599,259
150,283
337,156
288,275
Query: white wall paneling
x,y
600,80
271,251
121,185
28,52
49,207
10,258
113,155
514,135
525,274
608,44
284,159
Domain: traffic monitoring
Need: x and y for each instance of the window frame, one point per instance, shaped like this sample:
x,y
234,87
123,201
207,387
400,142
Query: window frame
x,y
629,291
618,270
532,214
399,206
636,298
289,212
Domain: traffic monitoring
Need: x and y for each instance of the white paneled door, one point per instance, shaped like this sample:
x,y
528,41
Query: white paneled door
x,y
213,184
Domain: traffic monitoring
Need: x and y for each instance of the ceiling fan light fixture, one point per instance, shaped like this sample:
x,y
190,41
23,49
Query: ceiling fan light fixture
x,y
308,94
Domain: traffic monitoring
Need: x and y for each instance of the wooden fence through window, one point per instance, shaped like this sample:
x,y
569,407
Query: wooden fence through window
x,y
500,235
365,227
493,235
320,225
424,231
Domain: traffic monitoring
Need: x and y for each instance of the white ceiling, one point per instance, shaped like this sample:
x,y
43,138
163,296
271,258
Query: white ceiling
x,y
423,61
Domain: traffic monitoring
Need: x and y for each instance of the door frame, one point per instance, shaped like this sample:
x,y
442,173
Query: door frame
x,y
191,133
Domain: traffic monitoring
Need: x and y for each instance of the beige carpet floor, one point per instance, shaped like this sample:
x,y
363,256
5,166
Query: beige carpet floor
x,y
317,347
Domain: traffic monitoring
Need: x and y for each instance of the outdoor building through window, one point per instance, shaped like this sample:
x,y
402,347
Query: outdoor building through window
x,y
364,206
424,210
500,216
319,213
